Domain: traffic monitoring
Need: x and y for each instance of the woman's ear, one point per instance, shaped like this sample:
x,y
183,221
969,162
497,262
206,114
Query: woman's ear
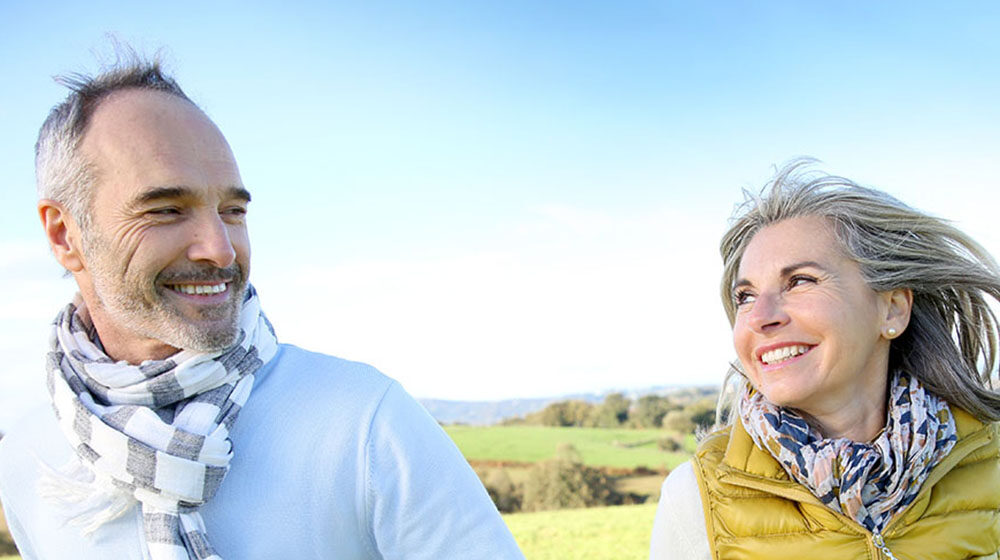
x,y
63,234
897,316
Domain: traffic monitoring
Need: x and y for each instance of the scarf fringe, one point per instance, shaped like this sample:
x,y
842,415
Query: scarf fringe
x,y
80,497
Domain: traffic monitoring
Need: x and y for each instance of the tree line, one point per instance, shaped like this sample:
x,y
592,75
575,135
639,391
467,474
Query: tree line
x,y
681,411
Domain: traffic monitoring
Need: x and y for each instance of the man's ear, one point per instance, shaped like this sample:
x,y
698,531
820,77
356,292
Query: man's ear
x,y
897,316
63,234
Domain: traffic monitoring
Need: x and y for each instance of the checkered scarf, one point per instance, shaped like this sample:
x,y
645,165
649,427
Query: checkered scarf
x,y
157,433
868,482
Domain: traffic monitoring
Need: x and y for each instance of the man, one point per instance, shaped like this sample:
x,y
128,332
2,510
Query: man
x,y
182,429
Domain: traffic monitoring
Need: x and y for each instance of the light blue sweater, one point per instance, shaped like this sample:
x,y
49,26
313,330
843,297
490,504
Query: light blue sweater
x,y
332,460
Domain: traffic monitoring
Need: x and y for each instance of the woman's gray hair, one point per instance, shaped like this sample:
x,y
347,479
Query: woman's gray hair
x,y
950,344
61,173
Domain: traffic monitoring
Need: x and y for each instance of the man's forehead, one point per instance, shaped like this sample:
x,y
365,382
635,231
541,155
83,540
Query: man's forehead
x,y
138,106
139,127
141,120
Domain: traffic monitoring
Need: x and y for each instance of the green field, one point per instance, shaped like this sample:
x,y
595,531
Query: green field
x,y
606,533
622,448
6,543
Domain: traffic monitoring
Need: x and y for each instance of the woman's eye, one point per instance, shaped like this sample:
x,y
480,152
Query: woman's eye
x,y
799,280
743,298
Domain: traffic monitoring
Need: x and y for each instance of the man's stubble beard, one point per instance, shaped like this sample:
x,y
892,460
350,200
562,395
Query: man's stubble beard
x,y
138,303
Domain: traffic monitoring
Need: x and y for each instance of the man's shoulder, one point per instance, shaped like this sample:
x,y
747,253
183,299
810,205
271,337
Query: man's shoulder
x,y
313,379
316,367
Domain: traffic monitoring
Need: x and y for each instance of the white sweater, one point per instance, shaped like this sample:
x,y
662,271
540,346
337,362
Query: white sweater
x,y
679,531
332,460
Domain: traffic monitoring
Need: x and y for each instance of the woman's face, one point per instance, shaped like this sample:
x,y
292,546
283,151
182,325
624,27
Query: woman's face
x,y
808,329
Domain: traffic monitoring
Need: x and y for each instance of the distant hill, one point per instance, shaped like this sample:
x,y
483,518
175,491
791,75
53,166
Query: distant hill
x,y
485,413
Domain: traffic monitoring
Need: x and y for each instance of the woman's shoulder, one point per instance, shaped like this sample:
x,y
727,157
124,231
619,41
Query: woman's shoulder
x,y
679,528
681,486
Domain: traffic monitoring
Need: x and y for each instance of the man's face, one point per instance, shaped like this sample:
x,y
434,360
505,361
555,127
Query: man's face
x,y
167,256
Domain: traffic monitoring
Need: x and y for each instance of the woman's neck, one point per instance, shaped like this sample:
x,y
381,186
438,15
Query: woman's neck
x,y
861,422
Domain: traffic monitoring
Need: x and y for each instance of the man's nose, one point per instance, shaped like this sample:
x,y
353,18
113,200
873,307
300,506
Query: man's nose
x,y
211,241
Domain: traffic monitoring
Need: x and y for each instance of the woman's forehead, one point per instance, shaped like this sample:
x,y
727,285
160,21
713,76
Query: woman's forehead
x,y
793,240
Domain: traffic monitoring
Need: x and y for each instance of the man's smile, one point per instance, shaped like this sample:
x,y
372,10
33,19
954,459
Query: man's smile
x,y
199,289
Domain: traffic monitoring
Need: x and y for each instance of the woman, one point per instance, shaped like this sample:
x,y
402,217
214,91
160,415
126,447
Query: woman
x,y
864,425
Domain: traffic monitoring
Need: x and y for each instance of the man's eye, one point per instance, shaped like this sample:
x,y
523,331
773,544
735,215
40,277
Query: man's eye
x,y
163,211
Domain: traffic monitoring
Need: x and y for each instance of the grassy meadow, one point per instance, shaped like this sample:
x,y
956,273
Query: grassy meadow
x,y
598,447
603,533
7,549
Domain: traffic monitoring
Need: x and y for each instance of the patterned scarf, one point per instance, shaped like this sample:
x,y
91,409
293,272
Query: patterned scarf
x,y
157,433
868,482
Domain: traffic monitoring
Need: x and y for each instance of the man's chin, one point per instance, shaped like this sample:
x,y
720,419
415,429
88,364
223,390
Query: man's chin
x,y
210,341
207,330
199,335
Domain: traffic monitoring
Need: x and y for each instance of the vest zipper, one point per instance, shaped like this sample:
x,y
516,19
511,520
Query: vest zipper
x,y
879,543
796,493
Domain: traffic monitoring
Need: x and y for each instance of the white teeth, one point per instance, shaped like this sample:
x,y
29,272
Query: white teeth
x,y
783,353
199,289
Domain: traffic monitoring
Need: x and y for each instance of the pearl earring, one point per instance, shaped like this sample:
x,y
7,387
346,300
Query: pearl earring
x,y
891,332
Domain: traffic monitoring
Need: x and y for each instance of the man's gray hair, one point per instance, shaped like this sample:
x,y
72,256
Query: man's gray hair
x,y
950,345
61,173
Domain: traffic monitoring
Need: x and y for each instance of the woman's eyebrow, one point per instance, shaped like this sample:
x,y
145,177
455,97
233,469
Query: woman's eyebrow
x,y
740,282
804,264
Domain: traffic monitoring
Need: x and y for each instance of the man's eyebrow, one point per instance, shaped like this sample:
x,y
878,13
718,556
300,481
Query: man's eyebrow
x,y
160,193
785,271
240,193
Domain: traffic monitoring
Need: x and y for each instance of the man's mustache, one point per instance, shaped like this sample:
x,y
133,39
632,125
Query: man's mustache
x,y
206,273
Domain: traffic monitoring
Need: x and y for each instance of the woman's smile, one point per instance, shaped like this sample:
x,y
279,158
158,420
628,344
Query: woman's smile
x,y
782,354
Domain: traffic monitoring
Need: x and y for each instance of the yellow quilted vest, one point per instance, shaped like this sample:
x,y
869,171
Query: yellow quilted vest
x,y
753,510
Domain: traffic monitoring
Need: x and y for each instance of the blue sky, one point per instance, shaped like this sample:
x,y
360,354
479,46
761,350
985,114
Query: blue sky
x,y
501,199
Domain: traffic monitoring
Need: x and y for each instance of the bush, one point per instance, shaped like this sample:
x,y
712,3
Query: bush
x,y
650,410
678,421
564,482
668,444
564,413
699,415
703,414
613,412
505,494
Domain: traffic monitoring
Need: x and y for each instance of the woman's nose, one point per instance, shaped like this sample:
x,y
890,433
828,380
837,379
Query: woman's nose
x,y
768,313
